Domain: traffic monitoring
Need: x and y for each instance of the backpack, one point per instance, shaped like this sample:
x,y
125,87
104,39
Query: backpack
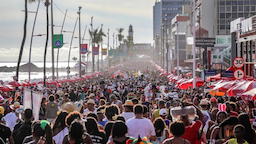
x,y
20,132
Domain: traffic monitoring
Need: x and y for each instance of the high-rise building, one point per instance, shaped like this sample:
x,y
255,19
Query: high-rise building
x,y
130,31
164,11
229,10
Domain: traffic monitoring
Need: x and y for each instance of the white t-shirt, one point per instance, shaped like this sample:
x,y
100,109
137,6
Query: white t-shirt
x,y
10,120
59,137
87,111
127,115
142,127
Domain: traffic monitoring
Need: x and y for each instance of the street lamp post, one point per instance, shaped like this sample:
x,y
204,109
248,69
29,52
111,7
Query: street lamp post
x,y
57,70
108,50
31,41
101,48
178,52
92,44
113,48
52,40
167,47
79,13
194,46
68,68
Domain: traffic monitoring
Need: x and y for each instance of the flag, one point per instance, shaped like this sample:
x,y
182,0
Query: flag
x,y
95,50
84,48
118,53
104,51
110,52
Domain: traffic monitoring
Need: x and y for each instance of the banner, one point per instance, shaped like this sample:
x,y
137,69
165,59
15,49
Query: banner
x,y
104,51
58,40
27,99
37,98
110,52
95,50
84,48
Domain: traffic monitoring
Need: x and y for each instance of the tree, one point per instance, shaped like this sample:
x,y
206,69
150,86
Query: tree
x,y
24,37
129,43
97,38
119,35
47,3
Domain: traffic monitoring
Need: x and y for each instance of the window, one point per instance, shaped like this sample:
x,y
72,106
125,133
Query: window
x,y
228,2
222,3
253,2
246,15
222,9
240,15
246,8
222,26
240,2
234,8
234,15
240,8
222,15
228,9
234,3
246,2
252,8
228,15
222,21
227,26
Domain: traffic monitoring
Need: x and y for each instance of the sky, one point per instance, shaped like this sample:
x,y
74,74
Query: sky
x,y
112,14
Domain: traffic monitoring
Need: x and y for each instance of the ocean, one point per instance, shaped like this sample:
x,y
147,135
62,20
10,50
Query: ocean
x,y
8,76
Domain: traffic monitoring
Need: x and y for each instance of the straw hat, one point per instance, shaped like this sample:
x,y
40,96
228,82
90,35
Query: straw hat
x,y
77,106
68,107
15,106
91,101
128,103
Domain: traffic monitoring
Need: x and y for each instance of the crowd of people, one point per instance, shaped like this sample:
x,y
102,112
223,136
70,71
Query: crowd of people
x,y
130,104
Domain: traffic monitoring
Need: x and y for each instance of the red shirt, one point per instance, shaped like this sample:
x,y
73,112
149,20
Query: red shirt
x,y
191,132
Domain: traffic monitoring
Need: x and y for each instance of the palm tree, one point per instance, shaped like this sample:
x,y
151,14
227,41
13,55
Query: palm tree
x,y
119,35
129,43
24,37
97,38
47,3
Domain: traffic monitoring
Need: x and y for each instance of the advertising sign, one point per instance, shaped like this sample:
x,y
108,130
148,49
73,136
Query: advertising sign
x,y
58,40
205,42
104,51
95,50
84,48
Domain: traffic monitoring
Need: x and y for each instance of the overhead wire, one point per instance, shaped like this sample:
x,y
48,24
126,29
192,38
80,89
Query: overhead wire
x,y
63,12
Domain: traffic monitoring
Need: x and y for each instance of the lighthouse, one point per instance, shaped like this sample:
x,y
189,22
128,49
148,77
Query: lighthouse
x,y
130,32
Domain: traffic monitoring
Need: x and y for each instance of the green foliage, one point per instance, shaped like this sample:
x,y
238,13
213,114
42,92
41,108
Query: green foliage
x,y
97,36
119,35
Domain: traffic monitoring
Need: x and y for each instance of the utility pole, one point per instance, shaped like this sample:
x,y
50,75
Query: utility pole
x,y
108,50
92,44
199,22
101,48
194,45
178,53
52,40
163,46
166,43
113,48
79,12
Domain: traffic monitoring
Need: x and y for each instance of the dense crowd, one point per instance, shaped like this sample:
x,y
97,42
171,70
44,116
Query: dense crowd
x,y
130,104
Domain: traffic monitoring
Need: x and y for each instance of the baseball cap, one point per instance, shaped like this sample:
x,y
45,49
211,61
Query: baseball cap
x,y
91,101
1,110
163,112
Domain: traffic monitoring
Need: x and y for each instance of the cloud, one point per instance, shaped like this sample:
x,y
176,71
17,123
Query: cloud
x,y
112,13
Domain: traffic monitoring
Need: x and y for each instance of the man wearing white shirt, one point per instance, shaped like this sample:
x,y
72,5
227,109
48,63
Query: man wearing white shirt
x,y
128,114
140,126
91,108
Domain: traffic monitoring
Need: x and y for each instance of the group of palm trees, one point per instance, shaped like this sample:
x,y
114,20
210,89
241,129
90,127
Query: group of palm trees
x,y
97,37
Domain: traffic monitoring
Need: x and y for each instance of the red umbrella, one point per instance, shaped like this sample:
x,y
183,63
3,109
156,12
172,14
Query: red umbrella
x,y
249,95
25,84
216,77
243,88
227,85
14,83
230,91
6,88
199,83
32,83
216,83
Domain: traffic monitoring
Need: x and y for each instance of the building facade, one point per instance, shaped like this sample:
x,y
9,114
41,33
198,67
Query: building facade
x,y
229,10
164,11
